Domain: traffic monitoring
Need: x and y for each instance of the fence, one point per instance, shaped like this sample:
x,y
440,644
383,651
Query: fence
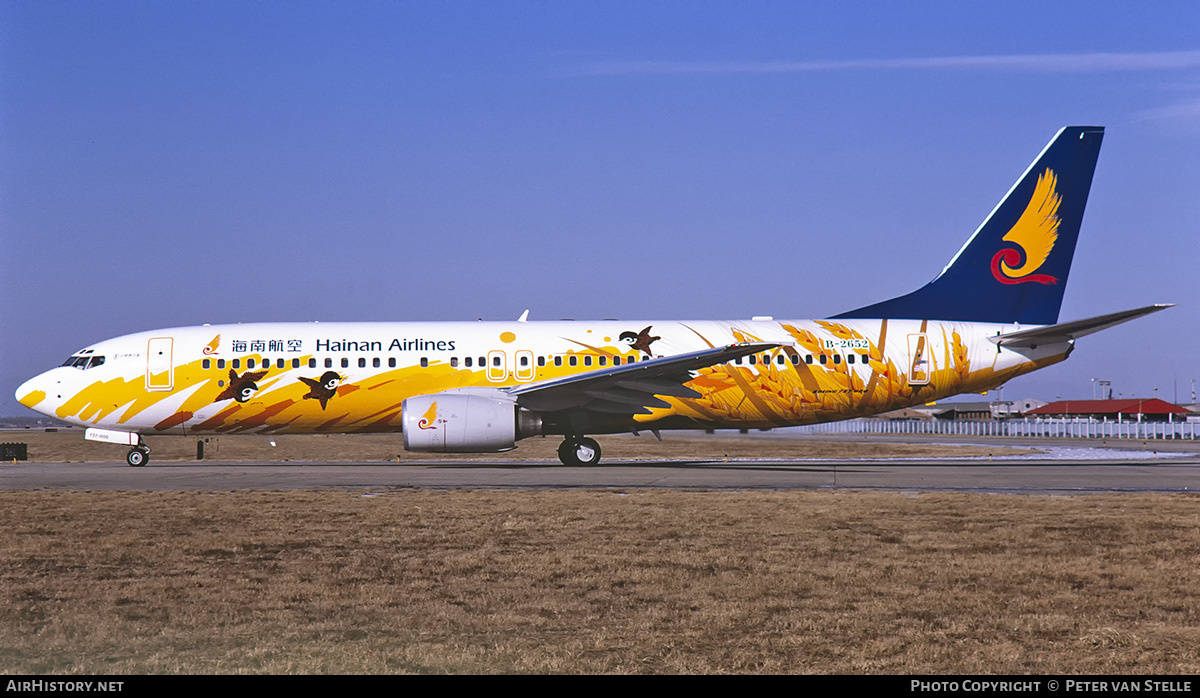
x,y
1078,428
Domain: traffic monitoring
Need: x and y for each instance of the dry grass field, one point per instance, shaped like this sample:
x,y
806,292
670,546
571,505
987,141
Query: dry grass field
x,y
404,581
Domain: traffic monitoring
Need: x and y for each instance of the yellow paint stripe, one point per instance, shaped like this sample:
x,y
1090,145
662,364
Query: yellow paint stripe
x,y
33,398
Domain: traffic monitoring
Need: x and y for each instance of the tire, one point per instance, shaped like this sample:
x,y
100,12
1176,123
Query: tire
x,y
137,457
579,451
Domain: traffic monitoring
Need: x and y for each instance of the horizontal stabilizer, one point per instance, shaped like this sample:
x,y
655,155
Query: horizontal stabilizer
x,y
1067,331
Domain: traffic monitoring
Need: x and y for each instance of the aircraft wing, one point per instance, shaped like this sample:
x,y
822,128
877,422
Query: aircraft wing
x,y
1067,331
629,389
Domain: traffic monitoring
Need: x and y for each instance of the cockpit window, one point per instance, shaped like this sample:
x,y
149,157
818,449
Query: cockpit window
x,y
84,360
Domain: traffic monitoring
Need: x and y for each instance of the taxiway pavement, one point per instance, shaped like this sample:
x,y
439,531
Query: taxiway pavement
x,y
1154,474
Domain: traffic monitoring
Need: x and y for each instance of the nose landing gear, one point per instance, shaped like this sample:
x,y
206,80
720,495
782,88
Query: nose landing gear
x,y
579,450
138,456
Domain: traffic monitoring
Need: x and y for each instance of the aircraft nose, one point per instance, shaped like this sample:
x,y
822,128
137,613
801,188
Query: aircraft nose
x,y
32,392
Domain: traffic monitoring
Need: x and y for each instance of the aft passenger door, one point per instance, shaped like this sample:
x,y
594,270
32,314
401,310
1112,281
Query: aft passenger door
x,y
918,365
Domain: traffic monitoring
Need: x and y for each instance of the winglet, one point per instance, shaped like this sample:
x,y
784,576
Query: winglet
x,y
524,316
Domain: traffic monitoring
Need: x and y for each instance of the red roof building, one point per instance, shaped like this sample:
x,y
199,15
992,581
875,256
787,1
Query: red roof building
x,y
1115,410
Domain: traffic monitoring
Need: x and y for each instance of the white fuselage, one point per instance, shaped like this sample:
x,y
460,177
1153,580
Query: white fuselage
x,y
354,377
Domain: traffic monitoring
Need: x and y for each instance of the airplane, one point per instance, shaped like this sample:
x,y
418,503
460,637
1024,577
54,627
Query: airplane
x,y
480,387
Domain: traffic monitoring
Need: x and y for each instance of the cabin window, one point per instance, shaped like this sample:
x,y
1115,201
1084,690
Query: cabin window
x,y
391,362
573,360
837,358
558,361
753,359
220,363
865,358
345,363
207,363
808,359
249,363
824,359
541,361
281,363
633,359
467,362
587,361
236,363
295,363
780,360
738,361
362,362
424,362
601,360
850,359
524,361
795,359
616,361
328,363
496,360
312,363
482,362
375,363
453,361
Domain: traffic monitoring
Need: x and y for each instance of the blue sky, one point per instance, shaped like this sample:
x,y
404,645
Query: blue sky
x,y
168,164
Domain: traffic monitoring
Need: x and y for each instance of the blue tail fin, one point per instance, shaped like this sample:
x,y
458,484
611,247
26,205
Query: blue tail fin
x,y
1014,268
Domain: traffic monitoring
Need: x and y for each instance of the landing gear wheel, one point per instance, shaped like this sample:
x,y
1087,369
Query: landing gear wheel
x,y
579,451
137,457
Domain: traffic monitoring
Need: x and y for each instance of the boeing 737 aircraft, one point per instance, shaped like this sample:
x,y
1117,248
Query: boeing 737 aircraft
x,y
476,387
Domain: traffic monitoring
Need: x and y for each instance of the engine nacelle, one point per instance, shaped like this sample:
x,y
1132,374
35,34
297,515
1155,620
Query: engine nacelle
x,y
469,420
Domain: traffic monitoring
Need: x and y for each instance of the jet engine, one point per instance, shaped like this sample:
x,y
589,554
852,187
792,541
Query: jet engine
x,y
469,420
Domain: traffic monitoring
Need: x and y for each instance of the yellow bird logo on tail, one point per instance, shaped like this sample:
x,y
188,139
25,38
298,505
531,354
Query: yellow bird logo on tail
x,y
1035,232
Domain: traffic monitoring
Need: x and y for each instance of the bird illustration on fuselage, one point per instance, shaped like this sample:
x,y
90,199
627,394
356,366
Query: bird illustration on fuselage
x,y
241,388
640,341
324,388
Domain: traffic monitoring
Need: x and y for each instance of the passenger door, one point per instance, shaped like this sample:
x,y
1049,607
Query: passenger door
x,y
160,372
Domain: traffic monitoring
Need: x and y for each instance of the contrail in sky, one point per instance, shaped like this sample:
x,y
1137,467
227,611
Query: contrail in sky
x,y
1044,63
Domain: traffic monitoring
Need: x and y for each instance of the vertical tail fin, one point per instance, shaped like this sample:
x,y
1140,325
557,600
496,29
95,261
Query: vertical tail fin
x,y
1014,267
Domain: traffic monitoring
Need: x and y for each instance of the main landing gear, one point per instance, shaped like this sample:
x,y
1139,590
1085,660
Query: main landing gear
x,y
138,456
579,450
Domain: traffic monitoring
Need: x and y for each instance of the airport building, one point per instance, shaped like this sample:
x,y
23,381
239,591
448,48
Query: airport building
x,y
1126,410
